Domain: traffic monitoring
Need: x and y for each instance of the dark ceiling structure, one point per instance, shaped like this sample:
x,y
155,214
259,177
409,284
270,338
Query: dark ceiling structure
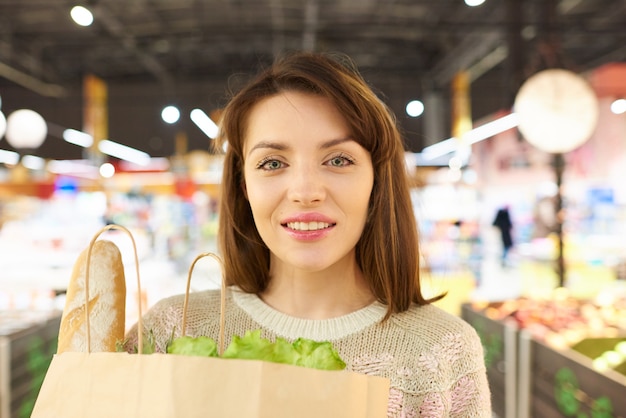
x,y
193,52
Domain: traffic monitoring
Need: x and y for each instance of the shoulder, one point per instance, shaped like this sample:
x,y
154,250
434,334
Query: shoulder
x,y
169,311
206,298
165,318
204,303
418,316
432,325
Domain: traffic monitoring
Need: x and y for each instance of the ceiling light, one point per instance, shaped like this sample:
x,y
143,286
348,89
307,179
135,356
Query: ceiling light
x,y
492,128
474,3
32,162
9,157
81,15
618,107
485,131
26,129
79,138
123,152
170,114
204,122
414,108
107,170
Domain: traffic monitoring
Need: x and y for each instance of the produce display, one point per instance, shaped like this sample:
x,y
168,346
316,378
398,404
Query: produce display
x,y
562,321
606,353
570,354
28,341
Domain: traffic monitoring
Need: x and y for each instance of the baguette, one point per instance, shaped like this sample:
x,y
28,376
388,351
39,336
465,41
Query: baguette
x,y
107,302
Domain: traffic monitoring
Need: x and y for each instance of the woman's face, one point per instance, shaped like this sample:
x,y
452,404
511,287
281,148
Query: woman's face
x,y
308,182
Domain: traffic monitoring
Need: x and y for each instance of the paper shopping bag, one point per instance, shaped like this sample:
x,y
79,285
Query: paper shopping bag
x,y
166,385
122,385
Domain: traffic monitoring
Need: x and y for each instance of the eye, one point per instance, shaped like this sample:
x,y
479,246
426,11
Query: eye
x,y
270,164
340,160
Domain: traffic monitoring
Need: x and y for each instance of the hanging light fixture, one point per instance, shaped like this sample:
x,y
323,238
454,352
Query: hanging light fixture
x,y
558,112
26,129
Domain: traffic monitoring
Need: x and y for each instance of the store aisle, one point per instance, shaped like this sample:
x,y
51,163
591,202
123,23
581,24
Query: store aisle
x,y
497,282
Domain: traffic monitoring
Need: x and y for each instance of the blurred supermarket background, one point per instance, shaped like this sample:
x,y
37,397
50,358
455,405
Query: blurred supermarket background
x,y
149,75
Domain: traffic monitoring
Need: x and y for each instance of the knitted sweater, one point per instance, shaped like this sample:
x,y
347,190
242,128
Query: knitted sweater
x,y
434,360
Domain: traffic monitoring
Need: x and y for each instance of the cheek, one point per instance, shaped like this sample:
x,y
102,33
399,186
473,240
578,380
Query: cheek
x,y
362,193
259,198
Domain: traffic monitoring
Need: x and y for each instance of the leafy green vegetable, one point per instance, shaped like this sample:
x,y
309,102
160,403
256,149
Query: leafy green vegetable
x,y
193,346
251,346
303,352
149,345
318,355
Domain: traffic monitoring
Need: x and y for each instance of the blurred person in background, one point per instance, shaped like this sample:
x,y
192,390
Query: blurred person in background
x,y
503,222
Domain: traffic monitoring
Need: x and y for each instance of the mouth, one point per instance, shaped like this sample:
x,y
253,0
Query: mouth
x,y
308,226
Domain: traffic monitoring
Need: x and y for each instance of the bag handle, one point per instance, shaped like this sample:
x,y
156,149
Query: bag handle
x,y
222,299
87,268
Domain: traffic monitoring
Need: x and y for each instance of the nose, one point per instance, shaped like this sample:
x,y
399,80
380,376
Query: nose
x,y
306,185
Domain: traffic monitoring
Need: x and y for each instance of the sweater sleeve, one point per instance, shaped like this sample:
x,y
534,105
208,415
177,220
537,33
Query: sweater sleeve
x,y
470,395
161,323
164,320
443,374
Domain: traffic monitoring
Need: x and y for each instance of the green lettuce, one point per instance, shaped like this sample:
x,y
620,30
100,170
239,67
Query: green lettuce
x,y
302,352
318,353
193,346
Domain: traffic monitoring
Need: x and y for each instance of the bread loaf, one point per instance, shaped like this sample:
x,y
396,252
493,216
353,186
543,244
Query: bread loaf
x,y
107,302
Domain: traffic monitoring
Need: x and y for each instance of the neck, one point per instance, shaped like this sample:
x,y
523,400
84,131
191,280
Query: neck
x,y
325,294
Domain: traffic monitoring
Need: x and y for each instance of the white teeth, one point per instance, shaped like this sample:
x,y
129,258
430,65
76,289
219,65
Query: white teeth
x,y
307,226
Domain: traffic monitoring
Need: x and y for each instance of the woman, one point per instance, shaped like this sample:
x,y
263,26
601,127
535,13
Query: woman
x,y
319,240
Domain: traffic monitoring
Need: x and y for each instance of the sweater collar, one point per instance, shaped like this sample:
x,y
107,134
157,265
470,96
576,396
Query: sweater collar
x,y
320,330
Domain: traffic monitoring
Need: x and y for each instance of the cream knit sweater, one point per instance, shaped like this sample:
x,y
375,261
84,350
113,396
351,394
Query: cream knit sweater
x,y
434,360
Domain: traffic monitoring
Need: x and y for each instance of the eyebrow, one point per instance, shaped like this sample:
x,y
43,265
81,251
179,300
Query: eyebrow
x,y
281,146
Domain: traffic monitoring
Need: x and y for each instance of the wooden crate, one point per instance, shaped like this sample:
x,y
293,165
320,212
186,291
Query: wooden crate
x,y
564,384
27,344
499,341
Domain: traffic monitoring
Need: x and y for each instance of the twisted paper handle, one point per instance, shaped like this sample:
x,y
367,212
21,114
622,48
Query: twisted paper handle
x,y
222,299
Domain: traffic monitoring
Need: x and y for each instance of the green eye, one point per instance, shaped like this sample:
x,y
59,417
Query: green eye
x,y
340,161
270,164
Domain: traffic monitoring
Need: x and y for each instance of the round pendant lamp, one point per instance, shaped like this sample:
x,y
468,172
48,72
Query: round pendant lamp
x,y
26,129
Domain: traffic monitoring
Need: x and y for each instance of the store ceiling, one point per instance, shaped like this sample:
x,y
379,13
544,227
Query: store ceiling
x,y
190,52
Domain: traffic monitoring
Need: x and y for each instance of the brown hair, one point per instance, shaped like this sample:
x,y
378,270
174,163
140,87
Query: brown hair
x,y
388,250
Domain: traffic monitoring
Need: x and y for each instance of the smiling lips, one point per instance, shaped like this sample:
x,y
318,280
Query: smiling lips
x,y
308,226
308,230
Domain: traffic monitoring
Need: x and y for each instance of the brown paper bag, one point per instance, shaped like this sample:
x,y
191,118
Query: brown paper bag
x,y
120,385
164,385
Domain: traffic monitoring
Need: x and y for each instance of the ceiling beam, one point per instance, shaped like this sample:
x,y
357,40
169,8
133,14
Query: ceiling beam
x,y
129,42
34,84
